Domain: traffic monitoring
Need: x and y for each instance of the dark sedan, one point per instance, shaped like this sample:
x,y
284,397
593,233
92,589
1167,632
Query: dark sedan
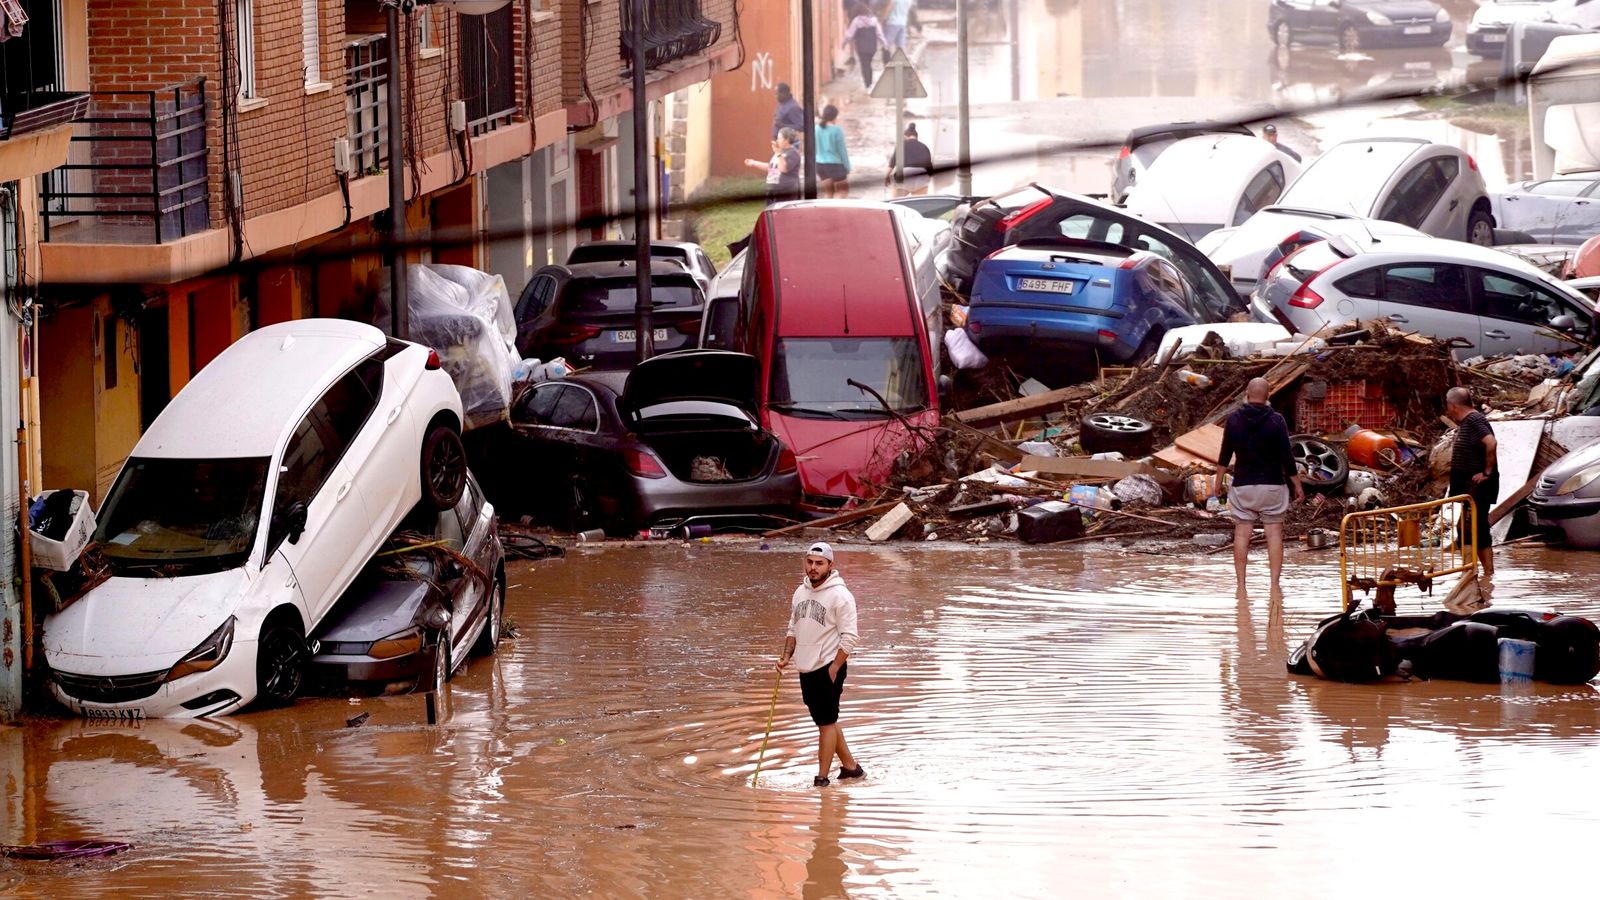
x,y
585,312
675,441
432,597
1357,24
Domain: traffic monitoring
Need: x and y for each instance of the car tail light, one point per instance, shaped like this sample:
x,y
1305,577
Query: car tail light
x,y
1471,163
1304,297
1133,260
690,327
786,461
973,327
1107,335
1017,217
574,333
643,463
433,361
1125,152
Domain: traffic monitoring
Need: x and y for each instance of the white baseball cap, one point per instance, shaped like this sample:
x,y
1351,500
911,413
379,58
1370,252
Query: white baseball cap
x,y
821,549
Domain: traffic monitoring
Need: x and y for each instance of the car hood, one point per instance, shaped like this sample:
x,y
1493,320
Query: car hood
x,y
1570,465
718,376
845,459
1399,9
128,626
374,611
1491,15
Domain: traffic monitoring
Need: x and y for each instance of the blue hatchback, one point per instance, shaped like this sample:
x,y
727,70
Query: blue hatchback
x,y
1069,293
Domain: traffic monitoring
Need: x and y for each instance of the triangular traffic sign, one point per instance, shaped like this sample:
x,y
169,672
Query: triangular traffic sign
x,y
899,71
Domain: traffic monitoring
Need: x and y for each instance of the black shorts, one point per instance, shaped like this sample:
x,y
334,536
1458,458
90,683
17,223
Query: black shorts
x,y
832,172
1483,496
822,695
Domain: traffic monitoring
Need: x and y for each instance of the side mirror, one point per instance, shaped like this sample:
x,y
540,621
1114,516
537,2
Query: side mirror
x,y
294,521
1564,323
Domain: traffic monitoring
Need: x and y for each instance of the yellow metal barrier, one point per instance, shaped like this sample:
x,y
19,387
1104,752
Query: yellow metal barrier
x,y
1385,548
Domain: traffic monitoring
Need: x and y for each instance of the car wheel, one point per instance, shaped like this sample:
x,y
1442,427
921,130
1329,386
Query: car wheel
x,y
1104,432
442,668
1480,228
580,510
489,637
444,467
1281,35
1349,39
280,664
1323,469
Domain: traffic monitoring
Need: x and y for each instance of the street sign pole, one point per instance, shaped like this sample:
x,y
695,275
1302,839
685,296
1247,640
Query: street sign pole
x,y
900,81
963,120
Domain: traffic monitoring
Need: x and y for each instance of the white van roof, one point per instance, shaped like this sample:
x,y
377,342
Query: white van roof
x,y
244,402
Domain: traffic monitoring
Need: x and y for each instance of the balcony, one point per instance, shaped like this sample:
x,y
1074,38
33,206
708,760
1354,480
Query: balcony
x,y
27,113
673,30
366,92
488,69
136,171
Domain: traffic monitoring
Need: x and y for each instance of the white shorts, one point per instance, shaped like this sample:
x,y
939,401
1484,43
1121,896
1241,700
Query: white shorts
x,y
1264,503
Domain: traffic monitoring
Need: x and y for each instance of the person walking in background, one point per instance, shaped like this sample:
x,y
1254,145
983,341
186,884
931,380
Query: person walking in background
x,y
917,174
867,36
789,114
833,159
1256,442
1270,133
821,637
783,169
1475,471
895,23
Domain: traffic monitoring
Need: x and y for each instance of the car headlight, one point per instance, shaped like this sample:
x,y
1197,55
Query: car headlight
x,y
1441,16
1379,19
208,655
397,644
1579,480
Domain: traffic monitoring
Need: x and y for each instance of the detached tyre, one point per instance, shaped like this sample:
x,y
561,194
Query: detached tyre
x,y
1105,432
444,467
1323,468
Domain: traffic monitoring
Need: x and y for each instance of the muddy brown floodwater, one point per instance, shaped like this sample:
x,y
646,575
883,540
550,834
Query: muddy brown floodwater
x,y
1032,724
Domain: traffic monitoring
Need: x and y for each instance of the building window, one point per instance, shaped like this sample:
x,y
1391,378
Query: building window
x,y
244,25
311,39
426,23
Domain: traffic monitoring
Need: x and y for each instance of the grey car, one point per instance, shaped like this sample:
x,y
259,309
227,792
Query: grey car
x,y
414,616
1145,143
1491,302
1554,211
1568,497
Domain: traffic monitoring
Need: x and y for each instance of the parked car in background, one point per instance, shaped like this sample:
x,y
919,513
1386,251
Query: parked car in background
x,y
1200,184
1582,13
246,510
585,312
1588,286
1357,24
1567,497
1084,299
721,319
1245,252
932,206
1145,145
676,440
1492,21
1432,187
1033,212
1563,210
685,253
414,615
1493,303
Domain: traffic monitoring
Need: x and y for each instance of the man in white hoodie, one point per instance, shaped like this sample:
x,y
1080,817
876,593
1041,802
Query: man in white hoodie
x,y
822,632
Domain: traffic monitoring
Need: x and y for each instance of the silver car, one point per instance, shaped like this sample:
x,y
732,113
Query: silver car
x,y
1491,302
1553,211
1434,188
1568,497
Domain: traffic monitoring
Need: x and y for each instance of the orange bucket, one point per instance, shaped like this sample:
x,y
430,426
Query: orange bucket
x,y
1370,449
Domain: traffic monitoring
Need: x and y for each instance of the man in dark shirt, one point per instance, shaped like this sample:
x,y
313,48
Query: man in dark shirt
x,y
789,114
1255,449
1475,471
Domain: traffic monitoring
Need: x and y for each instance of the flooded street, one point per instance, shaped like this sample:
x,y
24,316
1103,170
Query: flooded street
x,y
1032,723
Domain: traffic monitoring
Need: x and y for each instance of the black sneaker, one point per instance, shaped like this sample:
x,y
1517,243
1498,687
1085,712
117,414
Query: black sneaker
x,y
857,772
820,781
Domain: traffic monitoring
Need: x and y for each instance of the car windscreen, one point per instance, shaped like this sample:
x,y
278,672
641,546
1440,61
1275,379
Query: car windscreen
x,y
617,295
811,376
183,515
1348,177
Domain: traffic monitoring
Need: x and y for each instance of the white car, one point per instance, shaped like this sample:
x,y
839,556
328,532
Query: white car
x,y
1200,184
244,512
1492,21
1247,251
1492,302
1582,13
1432,187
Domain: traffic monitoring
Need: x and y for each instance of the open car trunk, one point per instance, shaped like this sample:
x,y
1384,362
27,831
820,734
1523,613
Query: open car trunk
x,y
713,456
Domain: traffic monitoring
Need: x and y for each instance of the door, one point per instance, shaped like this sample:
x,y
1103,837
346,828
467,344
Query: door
x,y
1516,313
1414,199
1540,208
331,549
466,535
1430,299
1580,220
534,310
1321,16
536,487
385,443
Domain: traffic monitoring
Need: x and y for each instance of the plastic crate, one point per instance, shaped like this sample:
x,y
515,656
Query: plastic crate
x,y
59,555
1349,403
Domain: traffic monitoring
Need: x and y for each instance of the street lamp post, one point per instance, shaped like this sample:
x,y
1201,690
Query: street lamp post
x,y
643,339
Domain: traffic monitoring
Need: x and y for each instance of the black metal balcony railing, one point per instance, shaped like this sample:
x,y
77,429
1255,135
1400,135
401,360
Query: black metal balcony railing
x,y
366,92
37,110
146,167
673,29
488,70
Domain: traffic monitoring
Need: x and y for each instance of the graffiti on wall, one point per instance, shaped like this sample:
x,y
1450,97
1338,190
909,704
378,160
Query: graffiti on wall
x,y
761,69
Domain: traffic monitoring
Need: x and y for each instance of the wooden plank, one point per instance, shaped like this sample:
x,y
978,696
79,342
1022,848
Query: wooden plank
x,y
892,521
988,443
1024,407
844,518
1181,459
1504,507
1081,467
1204,442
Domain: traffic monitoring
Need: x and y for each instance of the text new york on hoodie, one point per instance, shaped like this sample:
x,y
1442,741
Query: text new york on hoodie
x,y
822,621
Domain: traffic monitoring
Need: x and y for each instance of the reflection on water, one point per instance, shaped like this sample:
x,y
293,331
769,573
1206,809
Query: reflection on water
x,y
1028,719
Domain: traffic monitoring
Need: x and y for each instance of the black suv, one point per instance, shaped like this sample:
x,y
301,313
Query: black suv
x,y
584,312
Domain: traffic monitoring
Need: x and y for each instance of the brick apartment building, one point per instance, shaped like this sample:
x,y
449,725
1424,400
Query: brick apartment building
x,y
227,171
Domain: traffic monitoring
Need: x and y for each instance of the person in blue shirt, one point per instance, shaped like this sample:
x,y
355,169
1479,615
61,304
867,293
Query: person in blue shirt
x,y
833,159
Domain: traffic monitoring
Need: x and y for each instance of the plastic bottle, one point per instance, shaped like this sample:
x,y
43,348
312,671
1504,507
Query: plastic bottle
x,y
1195,378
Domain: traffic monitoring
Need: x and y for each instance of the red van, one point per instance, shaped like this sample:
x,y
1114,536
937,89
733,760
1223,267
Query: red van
x,y
830,304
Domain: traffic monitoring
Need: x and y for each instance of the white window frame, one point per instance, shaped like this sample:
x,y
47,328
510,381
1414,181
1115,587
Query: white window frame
x,y
425,22
244,27
311,39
